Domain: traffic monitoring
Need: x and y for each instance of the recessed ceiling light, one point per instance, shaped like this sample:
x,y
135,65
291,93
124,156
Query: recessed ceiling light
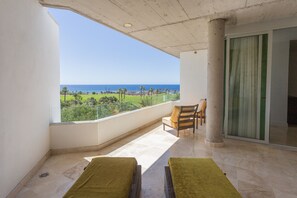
x,y
127,25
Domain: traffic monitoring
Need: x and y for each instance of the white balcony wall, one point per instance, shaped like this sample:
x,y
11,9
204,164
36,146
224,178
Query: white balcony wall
x,y
73,135
98,132
29,87
193,76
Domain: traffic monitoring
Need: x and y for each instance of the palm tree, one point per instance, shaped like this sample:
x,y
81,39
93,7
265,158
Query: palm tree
x,y
151,90
157,91
167,91
65,91
142,89
120,94
124,91
77,98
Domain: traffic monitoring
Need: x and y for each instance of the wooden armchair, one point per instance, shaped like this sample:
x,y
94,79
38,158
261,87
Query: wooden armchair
x,y
182,117
201,112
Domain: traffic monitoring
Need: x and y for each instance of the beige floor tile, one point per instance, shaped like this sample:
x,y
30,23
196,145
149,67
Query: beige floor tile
x,y
256,170
249,190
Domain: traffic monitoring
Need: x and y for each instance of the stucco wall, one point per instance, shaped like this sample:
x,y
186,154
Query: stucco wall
x,y
29,80
193,76
280,73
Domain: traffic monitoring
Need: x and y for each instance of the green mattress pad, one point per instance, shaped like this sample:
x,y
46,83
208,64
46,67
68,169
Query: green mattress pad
x,y
199,178
105,177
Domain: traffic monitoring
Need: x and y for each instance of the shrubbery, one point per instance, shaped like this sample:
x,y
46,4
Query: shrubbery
x,y
78,112
78,109
146,101
108,100
126,106
91,109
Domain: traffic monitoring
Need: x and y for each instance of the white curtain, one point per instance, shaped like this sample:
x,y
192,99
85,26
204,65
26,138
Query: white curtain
x,y
243,87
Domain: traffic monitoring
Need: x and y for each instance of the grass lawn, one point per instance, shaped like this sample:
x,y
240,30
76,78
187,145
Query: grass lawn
x,y
135,99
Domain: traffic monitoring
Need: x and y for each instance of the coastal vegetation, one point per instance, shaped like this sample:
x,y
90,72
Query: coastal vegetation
x,y
79,106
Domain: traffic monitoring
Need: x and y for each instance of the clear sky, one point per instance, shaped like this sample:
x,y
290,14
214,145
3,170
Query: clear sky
x,y
92,53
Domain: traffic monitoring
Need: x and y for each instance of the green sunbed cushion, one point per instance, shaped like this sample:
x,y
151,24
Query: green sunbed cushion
x,y
199,177
108,177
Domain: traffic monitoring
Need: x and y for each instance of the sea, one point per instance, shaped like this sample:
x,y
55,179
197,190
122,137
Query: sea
x,y
114,88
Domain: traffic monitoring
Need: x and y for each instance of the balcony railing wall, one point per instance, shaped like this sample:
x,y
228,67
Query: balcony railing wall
x,y
88,134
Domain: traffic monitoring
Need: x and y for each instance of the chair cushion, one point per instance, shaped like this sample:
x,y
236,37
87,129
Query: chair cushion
x,y
167,121
175,113
202,105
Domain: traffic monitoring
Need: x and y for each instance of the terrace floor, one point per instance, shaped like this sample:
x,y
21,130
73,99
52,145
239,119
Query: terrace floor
x,y
256,170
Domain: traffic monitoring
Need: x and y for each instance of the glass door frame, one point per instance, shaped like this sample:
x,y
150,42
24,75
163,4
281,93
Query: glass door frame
x,y
268,84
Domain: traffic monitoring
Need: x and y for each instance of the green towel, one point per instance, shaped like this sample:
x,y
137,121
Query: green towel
x,y
199,178
108,177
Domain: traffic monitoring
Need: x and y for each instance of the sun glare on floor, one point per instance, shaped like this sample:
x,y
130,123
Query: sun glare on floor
x,y
147,148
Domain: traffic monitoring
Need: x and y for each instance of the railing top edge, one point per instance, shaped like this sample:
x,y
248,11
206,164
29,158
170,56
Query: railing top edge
x,y
111,117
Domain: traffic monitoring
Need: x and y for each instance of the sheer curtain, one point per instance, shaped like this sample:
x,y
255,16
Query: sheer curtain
x,y
243,87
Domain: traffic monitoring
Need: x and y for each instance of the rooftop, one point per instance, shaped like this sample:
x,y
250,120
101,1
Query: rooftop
x,y
256,170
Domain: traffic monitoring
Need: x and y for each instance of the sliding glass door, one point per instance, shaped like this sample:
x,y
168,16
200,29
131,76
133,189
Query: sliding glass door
x,y
245,97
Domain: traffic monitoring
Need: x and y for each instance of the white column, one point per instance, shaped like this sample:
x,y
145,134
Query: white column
x,y
215,83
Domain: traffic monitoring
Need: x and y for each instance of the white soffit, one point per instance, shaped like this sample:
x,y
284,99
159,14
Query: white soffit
x,y
175,26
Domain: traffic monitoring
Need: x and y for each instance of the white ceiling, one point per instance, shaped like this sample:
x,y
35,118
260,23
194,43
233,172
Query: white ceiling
x,y
175,26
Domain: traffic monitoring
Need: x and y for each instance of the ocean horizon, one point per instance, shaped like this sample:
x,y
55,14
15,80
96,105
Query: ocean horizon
x,y
114,88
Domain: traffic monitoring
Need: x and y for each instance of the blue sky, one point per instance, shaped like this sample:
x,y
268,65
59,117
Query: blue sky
x,y
91,53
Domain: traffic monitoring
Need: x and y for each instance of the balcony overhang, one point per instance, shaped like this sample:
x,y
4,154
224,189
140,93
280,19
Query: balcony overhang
x,y
175,26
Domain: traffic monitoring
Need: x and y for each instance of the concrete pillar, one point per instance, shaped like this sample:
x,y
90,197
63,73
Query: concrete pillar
x,y
215,83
